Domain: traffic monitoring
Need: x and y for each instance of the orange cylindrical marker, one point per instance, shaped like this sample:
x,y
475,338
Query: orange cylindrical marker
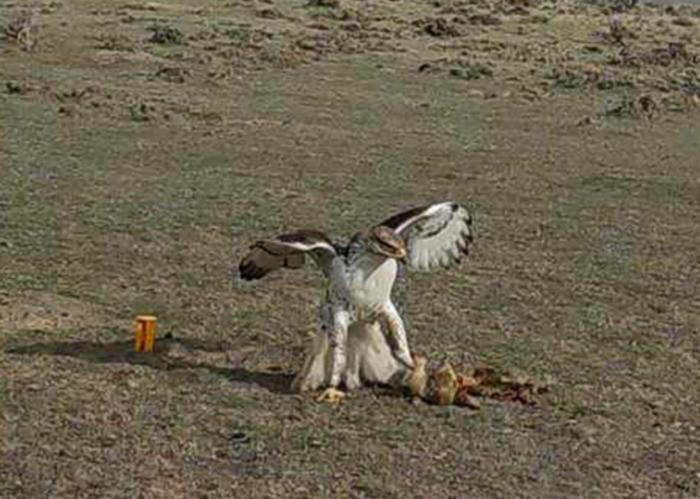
x,y
145,333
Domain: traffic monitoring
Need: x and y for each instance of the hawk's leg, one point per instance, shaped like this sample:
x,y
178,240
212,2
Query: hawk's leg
x,y
327,360
338,338
357,345
397,334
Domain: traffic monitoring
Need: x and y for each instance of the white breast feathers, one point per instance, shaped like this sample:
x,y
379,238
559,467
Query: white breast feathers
x,y
369,281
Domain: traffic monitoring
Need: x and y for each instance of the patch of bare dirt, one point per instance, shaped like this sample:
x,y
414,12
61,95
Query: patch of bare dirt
x,y
44,312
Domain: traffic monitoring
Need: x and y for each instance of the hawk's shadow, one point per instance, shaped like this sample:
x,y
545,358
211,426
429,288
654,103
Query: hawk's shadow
x,y
122,352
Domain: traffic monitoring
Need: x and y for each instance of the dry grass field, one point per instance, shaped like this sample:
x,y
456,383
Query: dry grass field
x,y
145,145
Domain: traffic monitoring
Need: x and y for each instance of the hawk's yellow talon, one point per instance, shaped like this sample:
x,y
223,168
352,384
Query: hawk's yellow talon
x,y
331,395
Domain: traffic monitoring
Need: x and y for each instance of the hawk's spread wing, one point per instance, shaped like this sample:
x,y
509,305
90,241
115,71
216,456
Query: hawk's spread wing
x,y
436,235
287,251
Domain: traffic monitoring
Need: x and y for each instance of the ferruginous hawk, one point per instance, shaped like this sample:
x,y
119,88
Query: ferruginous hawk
x,y
350,346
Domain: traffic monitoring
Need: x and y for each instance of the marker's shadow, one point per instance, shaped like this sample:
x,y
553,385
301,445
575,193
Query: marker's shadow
x,y
122,352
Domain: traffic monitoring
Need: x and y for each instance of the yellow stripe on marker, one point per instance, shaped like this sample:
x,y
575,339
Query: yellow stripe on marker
x,y
145,333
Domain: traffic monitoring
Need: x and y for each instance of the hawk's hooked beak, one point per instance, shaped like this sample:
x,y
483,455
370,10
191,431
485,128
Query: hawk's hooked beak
x,y
401,255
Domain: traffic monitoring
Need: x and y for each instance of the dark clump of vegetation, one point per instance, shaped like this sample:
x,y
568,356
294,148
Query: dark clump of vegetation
x,y
168,35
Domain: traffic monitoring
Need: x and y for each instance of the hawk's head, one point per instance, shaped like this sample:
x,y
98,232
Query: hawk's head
x,y
386,242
